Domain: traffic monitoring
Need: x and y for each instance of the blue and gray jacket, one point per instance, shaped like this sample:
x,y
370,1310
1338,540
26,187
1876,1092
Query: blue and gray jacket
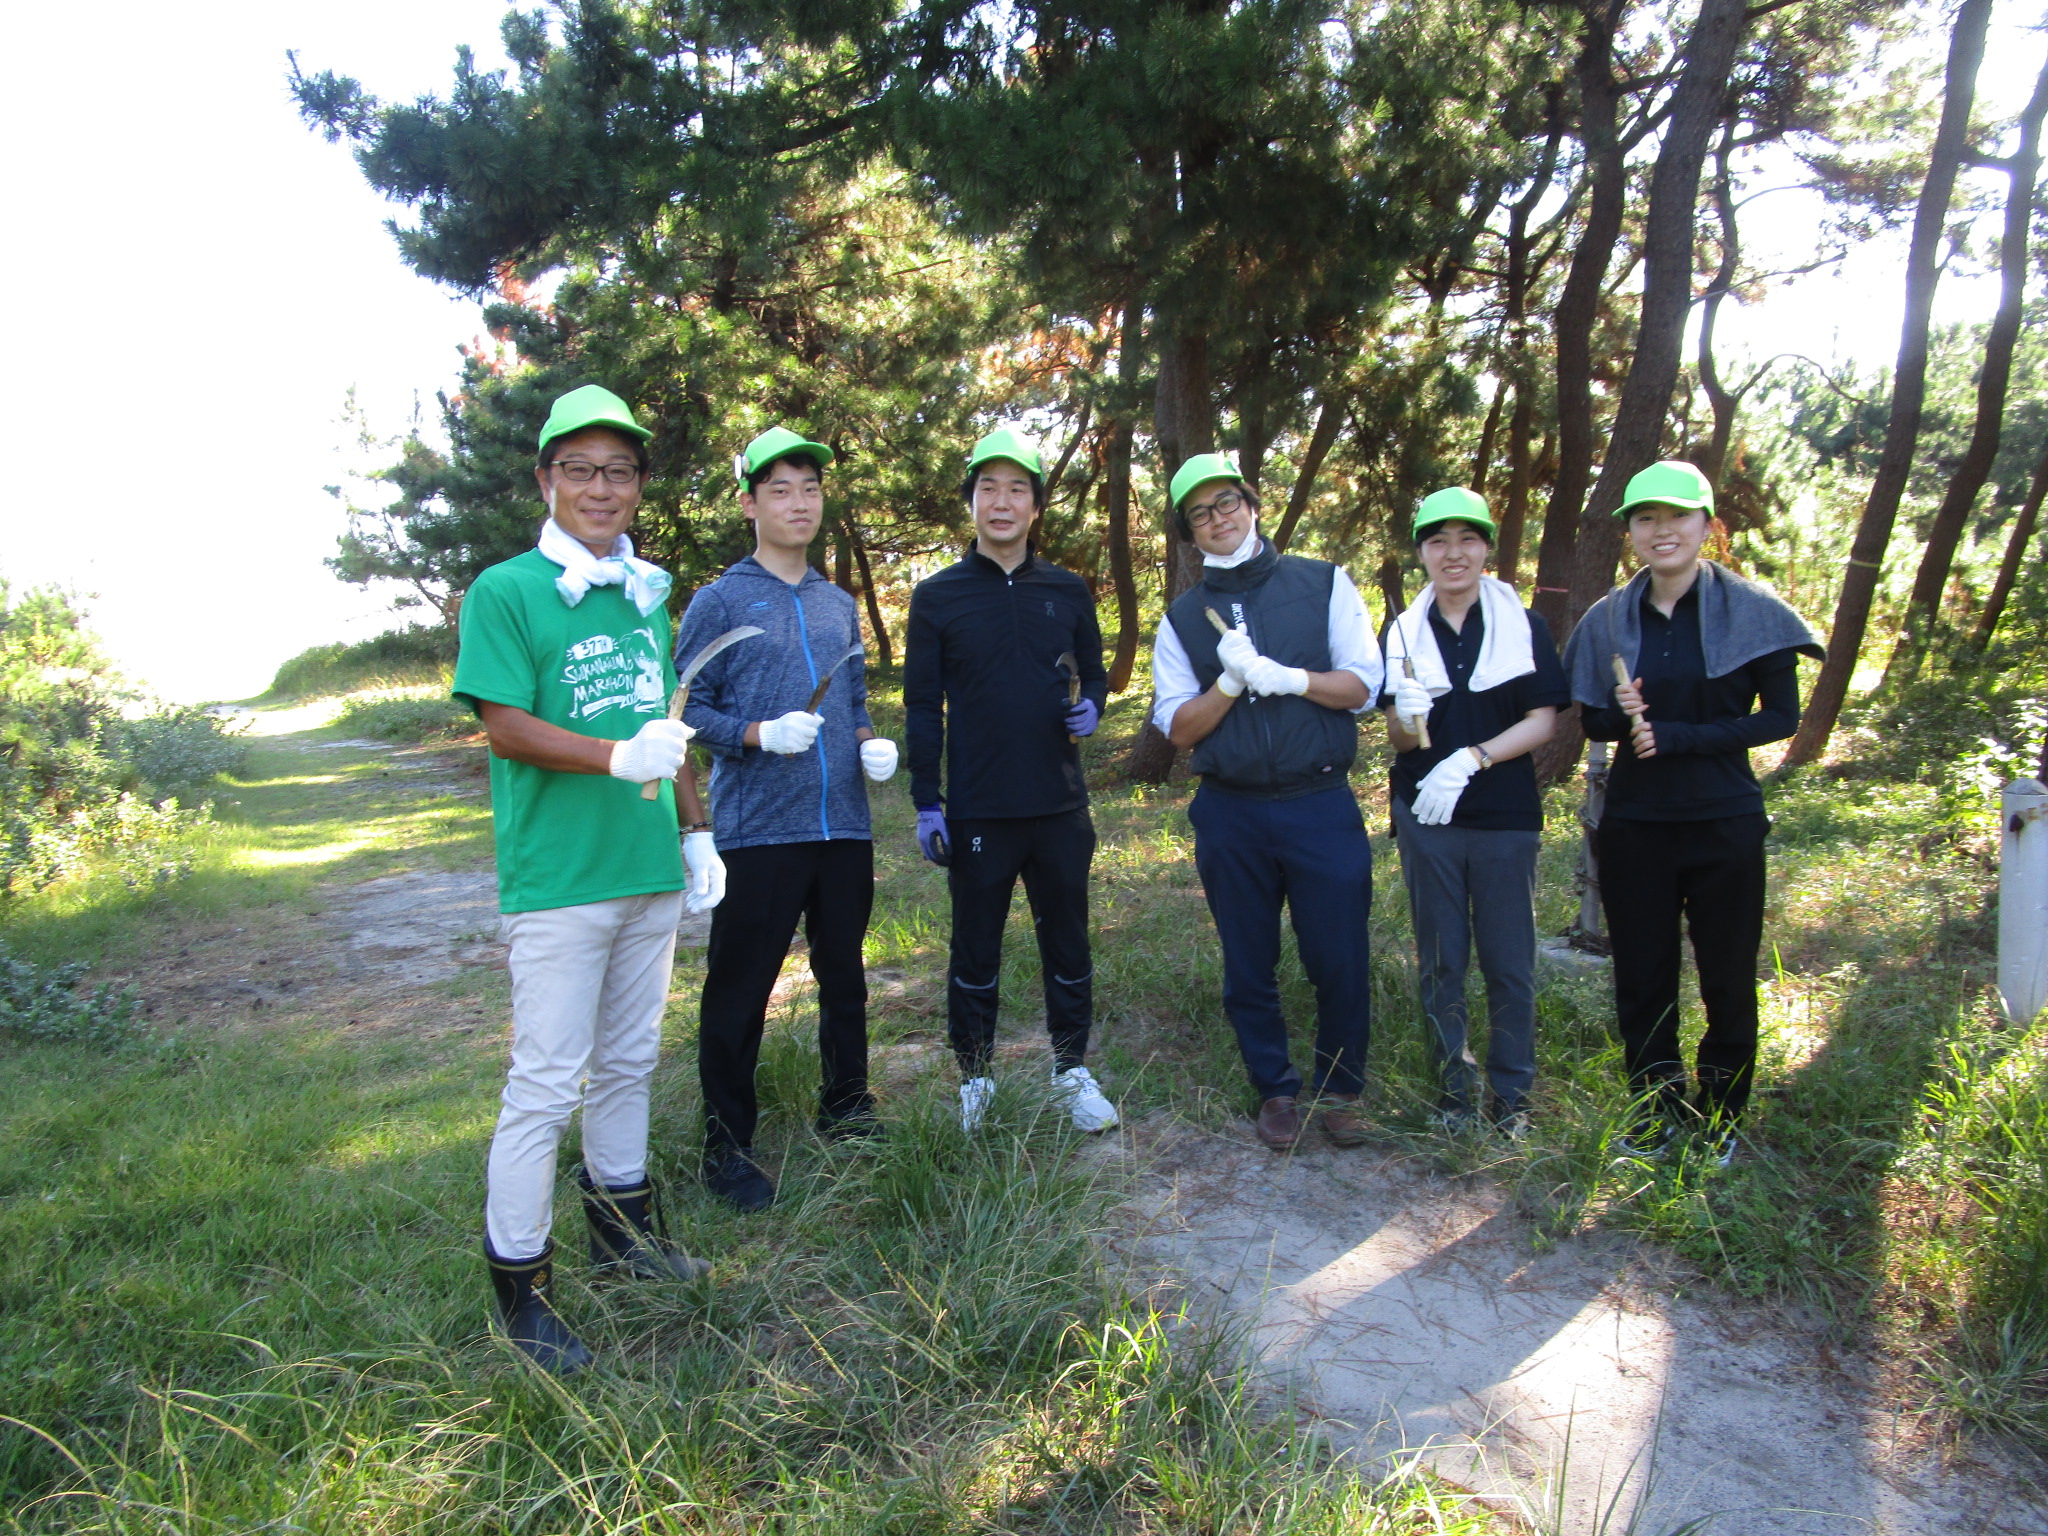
x,y
761,797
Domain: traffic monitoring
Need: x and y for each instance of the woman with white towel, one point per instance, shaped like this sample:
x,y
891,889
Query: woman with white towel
x,y
1473,686
1711,668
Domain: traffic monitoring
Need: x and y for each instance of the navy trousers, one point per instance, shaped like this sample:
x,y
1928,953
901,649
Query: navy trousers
x,y
1312,855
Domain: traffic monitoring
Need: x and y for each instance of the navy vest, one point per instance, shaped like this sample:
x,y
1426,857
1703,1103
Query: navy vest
x,y
1280,748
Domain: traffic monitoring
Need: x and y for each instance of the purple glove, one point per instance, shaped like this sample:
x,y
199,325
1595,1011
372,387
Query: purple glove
x,y
931,835
1083,718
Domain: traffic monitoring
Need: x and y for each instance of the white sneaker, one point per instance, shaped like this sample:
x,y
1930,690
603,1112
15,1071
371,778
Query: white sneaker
x,y
975,1095
1076,1088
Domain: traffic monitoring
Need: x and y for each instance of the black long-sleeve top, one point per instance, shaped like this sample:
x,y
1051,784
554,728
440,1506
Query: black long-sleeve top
x,y
982,687
1704,725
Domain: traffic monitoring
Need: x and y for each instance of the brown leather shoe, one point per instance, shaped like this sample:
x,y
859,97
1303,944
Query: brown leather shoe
x,y
1342,1120
1279,1123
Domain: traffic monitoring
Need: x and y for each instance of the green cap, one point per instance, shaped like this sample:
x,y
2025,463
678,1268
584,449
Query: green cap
x,y
1202,467
1006,443
1673,482
777,443
1453,504
591,406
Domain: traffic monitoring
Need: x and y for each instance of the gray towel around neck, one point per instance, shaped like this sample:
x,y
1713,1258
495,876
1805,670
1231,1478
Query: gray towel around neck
x,y
1739,621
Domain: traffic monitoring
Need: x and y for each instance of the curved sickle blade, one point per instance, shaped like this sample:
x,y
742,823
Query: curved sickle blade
x,y
818,693
681,697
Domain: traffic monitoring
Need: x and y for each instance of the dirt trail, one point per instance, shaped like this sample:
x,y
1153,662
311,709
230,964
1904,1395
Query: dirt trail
x,y
1405,1309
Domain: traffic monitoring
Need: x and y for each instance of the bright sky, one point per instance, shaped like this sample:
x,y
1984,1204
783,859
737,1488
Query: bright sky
x,y
199,281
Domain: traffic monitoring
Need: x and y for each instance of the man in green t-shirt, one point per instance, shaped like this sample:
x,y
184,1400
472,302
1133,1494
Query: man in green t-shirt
x,y
565,656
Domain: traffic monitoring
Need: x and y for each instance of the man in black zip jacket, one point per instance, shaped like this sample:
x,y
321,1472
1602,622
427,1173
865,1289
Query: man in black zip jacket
x,y
1271,709
984,658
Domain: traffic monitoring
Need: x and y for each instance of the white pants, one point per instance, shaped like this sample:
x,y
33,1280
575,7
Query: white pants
x,y
589,984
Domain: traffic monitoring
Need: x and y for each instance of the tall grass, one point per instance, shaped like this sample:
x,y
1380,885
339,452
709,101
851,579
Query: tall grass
x,y
418,653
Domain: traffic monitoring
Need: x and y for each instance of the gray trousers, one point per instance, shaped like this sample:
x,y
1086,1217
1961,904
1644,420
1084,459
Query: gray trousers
x,y
1470,889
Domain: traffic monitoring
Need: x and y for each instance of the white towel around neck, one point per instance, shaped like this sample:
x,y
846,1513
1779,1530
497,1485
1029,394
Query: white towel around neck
x,y
646,584
1505,652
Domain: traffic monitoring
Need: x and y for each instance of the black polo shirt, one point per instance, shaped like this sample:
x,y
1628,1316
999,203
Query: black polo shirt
x,y
1704,725
1502,798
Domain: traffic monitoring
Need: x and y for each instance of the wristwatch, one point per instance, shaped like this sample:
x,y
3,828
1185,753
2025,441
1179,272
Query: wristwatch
x,y
1484,760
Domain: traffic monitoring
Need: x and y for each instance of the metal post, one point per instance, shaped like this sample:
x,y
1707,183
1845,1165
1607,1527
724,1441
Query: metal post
x,y
2023,899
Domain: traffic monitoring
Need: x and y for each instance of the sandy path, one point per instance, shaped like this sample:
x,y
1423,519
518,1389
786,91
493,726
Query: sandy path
x,y
1408,1309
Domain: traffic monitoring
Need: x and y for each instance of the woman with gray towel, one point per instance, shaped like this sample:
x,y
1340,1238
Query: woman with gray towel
x,y
1690,666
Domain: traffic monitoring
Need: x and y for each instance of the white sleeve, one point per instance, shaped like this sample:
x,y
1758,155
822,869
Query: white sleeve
x,y
1352,646
1173,676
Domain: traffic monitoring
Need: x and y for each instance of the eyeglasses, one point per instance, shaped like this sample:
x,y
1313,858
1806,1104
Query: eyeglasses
x,y
1222,506
582,471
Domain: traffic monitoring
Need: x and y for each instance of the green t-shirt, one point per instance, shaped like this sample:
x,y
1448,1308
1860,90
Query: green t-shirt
x,y
598,669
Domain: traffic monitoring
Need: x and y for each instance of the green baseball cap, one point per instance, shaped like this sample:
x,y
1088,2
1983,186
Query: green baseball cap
x,y
1453,504
1202,467
1672,482
1006,443
591,406
777,443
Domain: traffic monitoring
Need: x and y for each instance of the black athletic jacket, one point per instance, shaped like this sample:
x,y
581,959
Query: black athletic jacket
x,y
983,658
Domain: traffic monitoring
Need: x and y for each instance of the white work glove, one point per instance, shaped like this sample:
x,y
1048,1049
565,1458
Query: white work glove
x,y
1436,797
793,732
655,751
878,758
1268,677
707,872
1412,703
1235,650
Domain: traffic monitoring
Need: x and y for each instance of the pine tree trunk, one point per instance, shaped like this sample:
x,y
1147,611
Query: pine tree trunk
x,y
1909,390
1482,460
1184,422
1329,422
1514,514
2015,556
1116,493
1116,496
1578,308
1668,227
887,656
1923,608
1723,401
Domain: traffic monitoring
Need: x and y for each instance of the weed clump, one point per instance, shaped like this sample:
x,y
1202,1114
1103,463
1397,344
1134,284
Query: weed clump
x,y
43,1003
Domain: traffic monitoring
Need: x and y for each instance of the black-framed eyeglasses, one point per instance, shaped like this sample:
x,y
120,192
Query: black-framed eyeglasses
x,y
582,471
1222,506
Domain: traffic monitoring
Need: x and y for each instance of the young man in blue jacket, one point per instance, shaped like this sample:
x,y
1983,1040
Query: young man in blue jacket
x,y
792,813
985,687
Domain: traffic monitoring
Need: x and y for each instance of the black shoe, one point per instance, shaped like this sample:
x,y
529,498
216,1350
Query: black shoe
x,y
624,1237
529,1318
731,1174
856,1122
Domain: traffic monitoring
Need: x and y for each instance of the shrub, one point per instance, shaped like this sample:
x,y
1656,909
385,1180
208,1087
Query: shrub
x,y
412,718
177,751
415,653
44,1003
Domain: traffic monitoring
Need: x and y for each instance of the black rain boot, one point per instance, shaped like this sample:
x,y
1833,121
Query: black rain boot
x,y
530,1320
626,1237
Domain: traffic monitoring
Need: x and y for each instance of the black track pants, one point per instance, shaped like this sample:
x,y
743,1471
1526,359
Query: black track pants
x,y
1052,853
831,887
1710,874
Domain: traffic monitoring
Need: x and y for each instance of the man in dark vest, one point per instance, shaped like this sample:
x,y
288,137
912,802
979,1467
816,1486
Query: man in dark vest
x,y
1263,670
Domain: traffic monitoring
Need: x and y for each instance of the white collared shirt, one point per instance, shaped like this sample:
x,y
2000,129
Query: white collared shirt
x,y
1353,649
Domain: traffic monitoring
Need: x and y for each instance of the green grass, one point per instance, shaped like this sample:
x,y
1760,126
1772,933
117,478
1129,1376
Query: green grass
x,y
239,1285
240,1288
